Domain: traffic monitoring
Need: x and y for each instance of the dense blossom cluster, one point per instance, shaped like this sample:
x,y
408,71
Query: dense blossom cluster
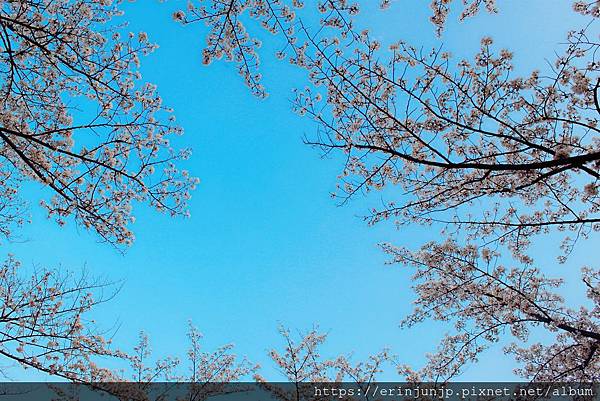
x,y
441,9
12,208
587,8
76,119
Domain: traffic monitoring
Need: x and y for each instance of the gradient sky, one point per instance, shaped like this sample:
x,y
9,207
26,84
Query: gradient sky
x,y
266,244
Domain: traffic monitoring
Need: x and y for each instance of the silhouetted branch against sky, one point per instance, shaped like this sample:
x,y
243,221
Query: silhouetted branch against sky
x,y
77,119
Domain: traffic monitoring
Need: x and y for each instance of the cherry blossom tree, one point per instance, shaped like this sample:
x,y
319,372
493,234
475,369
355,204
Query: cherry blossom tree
x,y
198,375
448,133
492,157
77,119
44,322
301,364
484,299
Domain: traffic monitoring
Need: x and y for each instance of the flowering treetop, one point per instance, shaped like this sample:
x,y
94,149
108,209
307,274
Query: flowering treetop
x,y
76,119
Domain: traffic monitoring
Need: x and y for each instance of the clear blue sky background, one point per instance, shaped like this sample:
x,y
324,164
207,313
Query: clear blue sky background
x,y
265,243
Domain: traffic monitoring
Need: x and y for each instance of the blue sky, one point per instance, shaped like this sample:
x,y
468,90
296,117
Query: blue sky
x,y
266,244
